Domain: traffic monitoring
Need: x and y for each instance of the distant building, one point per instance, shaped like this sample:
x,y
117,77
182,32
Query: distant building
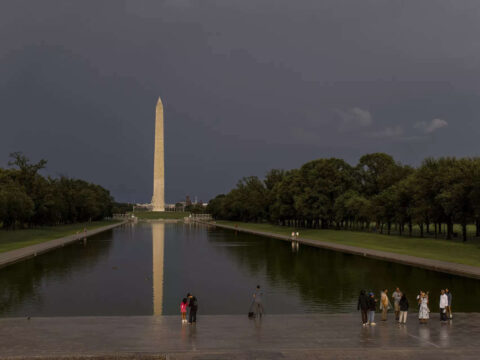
x,y
170,207
150,207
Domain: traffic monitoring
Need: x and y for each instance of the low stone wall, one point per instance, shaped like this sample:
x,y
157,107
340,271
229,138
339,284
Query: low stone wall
x,y
161,220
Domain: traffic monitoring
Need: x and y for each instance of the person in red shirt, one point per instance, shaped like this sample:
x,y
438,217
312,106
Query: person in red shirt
x,y
183,310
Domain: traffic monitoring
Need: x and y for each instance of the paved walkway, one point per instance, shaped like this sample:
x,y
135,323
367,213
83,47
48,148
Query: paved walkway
x,y
11,257
437,265
237,337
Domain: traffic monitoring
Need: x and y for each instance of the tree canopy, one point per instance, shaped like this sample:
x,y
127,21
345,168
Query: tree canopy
x,y
378,192
29,199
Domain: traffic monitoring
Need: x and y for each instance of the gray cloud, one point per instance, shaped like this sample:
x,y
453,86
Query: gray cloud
x,y
354,118
389,132
247,86
429,127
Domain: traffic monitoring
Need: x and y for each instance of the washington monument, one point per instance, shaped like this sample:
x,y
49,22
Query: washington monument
x,y
158,199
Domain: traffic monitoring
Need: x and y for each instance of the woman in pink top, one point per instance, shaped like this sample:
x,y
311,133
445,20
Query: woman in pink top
x,y
183,310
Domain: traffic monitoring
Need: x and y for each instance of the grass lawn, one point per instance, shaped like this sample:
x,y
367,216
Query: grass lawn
x,y
457,228
153,215
15,239
445,250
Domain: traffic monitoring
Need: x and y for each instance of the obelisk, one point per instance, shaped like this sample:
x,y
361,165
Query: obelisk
x,y
158,199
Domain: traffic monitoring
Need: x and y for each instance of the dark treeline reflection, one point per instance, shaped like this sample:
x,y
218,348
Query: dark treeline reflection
x,y
331,281
108,274
23,283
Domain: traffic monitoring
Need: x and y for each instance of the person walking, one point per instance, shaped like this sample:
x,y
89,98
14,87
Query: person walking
x,y
384,304
258,301
423,311
396,296
363,306
193,305
449,307
183,310
403,306
372,306
443,303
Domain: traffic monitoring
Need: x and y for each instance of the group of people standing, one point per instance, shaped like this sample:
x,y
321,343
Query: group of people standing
x,y
367,304
445,305
190,305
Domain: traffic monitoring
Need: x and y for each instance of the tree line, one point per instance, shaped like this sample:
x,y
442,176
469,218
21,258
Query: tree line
x,y
376,194
29,199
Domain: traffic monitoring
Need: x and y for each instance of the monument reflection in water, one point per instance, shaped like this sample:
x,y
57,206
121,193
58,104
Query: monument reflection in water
x,y
148,268
158,249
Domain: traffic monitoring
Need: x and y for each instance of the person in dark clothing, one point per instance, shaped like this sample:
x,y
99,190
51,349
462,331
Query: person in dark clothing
x,y
449,307
193,306
372,307
363,306
403,309
188,308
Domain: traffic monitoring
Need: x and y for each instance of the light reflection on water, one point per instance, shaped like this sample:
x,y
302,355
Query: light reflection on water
x,y
148,268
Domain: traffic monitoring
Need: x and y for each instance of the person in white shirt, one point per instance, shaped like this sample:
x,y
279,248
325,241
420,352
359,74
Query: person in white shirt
x,y
443,305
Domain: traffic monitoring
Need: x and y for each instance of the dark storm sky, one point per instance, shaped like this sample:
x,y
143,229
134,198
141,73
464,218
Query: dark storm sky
x,y
247,86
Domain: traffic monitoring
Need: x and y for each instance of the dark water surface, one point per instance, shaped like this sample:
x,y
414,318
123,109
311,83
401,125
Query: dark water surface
x,y
147,268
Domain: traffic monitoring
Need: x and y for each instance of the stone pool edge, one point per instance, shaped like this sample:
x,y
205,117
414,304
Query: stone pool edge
x,y
14,256
429,264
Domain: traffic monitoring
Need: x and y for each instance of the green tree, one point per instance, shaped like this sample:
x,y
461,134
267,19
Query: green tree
x,y
17,206
457,190
322,181
30,199
215,207
282,206
475,194
384,207
405,203
329,192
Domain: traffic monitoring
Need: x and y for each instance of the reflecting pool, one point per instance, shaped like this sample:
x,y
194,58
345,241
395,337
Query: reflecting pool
x,y
148,268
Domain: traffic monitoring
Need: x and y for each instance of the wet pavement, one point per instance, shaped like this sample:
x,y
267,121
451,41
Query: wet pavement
x,y
237,337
